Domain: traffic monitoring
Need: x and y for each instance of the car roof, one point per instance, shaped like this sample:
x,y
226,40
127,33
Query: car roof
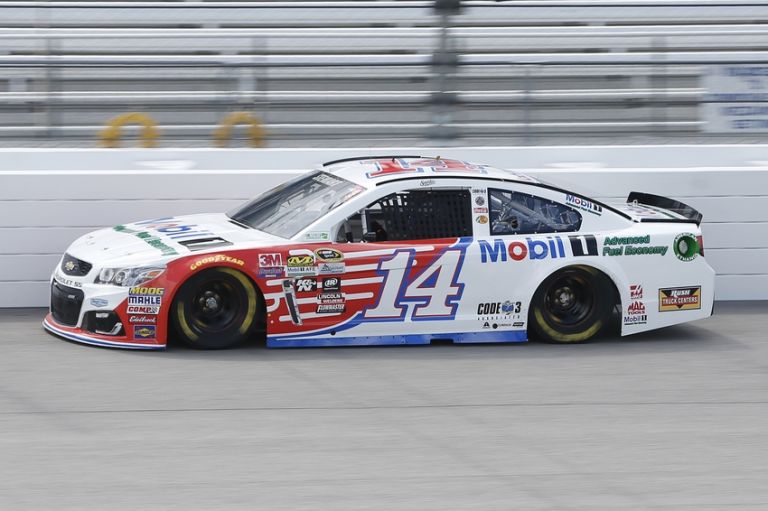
x,y
371,171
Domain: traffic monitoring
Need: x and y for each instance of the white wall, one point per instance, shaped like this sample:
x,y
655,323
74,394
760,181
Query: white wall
x,y
48,197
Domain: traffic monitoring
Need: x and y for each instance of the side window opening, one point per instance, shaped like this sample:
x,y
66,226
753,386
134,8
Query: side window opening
x,y
521,213
412,215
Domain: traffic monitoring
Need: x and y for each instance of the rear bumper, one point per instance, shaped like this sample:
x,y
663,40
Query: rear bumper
x,y
78,335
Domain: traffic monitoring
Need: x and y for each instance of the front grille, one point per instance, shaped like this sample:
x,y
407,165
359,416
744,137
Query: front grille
x,y
102,322
65,303
74,266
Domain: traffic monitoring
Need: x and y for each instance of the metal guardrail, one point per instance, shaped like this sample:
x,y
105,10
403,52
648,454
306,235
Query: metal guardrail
x,y
319,69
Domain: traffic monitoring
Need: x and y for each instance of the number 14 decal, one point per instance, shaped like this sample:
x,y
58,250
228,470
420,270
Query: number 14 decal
x,y
433,292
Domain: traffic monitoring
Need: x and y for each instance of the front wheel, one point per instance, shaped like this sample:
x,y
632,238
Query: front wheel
x,y
572,305
215,309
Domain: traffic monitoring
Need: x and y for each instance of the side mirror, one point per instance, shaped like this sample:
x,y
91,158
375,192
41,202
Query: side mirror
x,y
369,237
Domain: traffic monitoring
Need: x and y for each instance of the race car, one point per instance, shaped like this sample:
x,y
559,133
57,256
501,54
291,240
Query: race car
x,y
388,250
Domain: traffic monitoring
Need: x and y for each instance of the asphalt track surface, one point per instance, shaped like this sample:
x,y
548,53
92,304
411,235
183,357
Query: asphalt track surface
x,y
675,419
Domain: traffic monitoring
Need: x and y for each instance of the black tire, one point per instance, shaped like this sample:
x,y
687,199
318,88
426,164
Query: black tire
x,y
572,305
216,309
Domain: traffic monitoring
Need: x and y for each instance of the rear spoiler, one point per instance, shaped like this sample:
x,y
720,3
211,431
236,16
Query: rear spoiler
x,y
656,201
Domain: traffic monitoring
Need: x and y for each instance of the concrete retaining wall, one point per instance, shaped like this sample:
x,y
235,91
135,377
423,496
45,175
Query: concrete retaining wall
x,y
48,197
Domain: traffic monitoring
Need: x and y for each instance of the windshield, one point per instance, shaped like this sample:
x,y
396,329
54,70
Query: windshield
x,y
291,207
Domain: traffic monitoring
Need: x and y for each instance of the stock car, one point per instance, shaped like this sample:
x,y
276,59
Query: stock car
x,y
388,250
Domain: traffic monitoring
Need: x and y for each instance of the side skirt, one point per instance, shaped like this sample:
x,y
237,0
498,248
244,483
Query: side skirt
x,y
507,336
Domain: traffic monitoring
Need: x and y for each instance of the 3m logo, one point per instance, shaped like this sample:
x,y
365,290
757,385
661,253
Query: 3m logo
x,y
270,260
583,245
679,298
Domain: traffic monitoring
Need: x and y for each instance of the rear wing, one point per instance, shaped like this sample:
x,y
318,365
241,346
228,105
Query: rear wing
x,y
656,201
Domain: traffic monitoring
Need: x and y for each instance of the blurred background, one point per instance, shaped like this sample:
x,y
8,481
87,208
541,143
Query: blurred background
x,y
365,73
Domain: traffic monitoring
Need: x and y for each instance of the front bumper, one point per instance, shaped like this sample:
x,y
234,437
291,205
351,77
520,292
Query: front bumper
x,y
101,316
78,335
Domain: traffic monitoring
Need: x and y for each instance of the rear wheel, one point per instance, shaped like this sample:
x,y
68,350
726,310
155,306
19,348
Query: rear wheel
x,y
572,305
215,309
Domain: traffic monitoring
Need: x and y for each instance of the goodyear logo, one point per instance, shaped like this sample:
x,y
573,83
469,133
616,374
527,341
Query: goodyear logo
x,y
218,258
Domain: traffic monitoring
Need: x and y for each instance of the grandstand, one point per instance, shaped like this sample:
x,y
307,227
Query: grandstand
x,y
366,72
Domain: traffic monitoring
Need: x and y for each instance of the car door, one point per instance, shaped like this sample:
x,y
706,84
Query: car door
x,y
403,255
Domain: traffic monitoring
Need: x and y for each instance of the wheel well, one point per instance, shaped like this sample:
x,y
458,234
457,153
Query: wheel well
x,y
259,293
613,300
616,299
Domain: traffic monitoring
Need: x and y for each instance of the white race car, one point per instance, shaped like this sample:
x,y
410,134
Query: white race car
x,y
388,250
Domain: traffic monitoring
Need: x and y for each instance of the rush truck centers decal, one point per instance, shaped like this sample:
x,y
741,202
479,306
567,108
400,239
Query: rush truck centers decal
x,y
679,298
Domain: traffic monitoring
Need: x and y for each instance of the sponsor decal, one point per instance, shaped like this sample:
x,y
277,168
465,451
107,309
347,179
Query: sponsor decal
x,y
427,182
480,210
330,297
332,284
146,296
142,319
99,302
479,200
482,219
146,291
330,308
144,331
686,247
679,298
317,236
300,265
218,258
494,308
306,285
330,268
486,325
270,265
266,272
143,309
583,204
149,239
499,314
329,255
549,248
481,191
628,245
518,323
270,260
70,265
585,245
636,314
635,292
174,228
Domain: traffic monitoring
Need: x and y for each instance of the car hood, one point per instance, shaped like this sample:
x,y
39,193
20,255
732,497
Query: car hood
x,y
166,238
